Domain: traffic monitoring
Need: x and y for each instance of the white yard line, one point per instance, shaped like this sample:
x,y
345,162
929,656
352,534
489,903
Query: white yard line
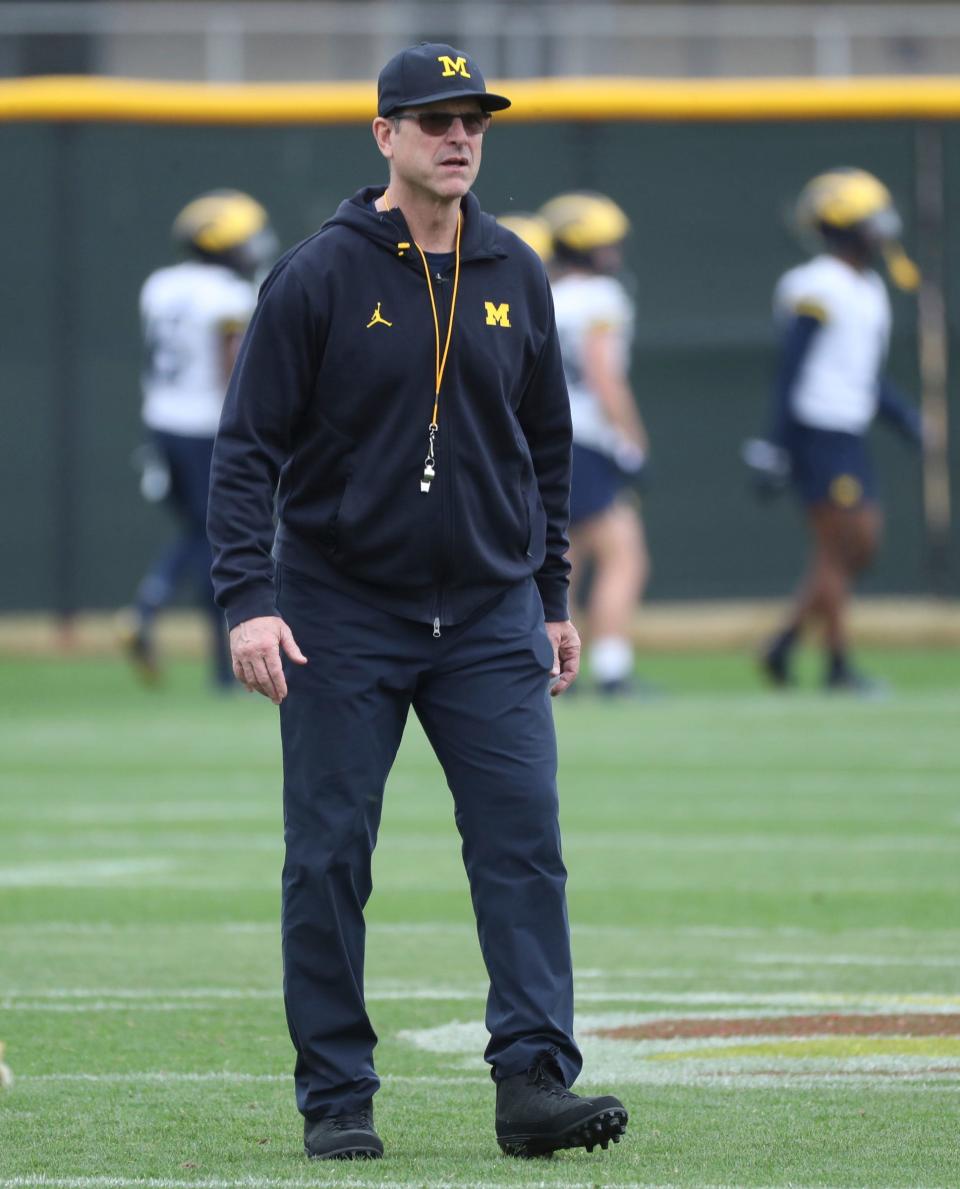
x,y
766,844
84,1000
880,960
161,1077
739,1078
114,813
79,873
136,993
467,930
44,1182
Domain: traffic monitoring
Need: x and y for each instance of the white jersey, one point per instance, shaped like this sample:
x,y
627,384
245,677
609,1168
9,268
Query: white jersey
x,y
837,387
185,311
585,302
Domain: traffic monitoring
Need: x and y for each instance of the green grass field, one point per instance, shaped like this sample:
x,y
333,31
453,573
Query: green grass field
x,y
765,897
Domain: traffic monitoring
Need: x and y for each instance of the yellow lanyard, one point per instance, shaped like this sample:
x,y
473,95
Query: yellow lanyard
x,y
430,462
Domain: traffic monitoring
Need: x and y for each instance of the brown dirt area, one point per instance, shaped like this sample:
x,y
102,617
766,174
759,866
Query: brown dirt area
x,y
905,1024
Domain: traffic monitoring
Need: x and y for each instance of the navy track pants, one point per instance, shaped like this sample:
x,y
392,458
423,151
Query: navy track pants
x,y
480,692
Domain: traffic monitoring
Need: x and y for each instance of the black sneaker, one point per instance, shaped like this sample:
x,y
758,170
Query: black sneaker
x,y
775,667
342,1137
537,1114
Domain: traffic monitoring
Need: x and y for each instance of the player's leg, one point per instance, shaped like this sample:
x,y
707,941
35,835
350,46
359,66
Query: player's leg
x,y
341,725
607,535
194,459
850,538
159,584
821,595
833,478
848,526
616,542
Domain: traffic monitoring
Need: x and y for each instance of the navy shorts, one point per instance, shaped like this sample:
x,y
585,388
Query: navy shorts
x,y
831,467
595,483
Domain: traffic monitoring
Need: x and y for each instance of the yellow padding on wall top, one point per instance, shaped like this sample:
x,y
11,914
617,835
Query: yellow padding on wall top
x,y
114,99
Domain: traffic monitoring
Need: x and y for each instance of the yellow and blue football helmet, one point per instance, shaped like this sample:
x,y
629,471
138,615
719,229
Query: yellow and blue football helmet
x,y
583,223
853,205
227,227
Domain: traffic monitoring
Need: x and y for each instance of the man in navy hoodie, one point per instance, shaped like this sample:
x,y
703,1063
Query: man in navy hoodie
x,y
400,391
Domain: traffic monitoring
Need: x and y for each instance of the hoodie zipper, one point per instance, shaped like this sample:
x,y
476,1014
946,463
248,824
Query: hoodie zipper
x,y
442,297
434,431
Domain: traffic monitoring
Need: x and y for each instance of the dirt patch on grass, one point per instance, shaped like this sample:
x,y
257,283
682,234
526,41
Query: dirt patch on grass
x,y
902,1024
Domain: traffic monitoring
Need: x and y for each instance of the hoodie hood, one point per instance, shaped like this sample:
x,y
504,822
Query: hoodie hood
x,y
481,238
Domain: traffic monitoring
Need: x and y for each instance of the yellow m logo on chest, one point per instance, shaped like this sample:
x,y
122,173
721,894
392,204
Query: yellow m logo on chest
x,y
497,315
453,66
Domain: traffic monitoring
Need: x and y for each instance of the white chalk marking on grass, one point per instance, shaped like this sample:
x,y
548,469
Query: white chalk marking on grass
x,y
467,930
759,931
83,993
44,1182
79,873
127,999
162,1077
153,1076
764,843
464,1037
844,960
673,1061
80,1000
119,813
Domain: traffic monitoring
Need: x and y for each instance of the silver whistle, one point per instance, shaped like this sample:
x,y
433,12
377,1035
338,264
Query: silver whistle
x,y
429,467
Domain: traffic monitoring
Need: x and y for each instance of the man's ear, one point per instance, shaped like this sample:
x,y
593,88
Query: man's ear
x,y
383,134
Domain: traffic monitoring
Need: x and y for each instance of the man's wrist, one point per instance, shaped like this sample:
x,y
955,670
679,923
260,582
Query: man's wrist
x,y
254,606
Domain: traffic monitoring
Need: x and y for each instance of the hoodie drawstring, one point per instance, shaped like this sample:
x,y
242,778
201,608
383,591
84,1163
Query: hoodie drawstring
x,y
430,462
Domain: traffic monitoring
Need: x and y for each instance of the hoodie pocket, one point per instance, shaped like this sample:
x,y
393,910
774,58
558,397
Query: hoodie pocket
x,y
536,522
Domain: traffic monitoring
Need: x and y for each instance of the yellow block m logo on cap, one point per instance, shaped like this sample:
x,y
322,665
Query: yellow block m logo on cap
x,y
453,66
497,315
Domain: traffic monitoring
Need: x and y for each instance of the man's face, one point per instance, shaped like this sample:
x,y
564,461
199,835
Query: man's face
x,y
443,163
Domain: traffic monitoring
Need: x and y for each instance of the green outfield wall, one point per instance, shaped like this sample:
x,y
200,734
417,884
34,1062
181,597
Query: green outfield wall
x,y
96,171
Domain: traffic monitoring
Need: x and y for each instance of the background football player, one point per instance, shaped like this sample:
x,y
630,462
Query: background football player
x,y
834,318
194,314
595,317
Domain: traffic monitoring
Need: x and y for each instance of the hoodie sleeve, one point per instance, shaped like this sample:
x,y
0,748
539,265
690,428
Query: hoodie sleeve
x,y
544,415
271,383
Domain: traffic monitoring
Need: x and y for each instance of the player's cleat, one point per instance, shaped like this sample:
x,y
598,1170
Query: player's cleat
x,y
537,1115
343,1137
775,667
628,687
849,681
137,642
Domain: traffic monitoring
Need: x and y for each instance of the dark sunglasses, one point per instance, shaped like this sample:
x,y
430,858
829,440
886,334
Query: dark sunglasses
x,y
439,123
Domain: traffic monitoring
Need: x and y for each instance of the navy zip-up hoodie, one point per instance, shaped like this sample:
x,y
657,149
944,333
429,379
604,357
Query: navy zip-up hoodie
x,y
329,406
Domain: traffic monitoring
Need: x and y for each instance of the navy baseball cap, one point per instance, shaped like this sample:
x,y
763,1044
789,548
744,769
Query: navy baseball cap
x,y
430,71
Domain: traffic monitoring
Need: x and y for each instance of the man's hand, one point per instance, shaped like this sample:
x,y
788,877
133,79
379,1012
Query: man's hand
x,y
255,647
566,655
